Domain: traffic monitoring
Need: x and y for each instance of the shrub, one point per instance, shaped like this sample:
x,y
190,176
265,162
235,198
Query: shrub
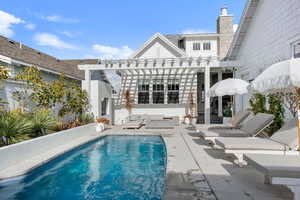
x,y
86,118
275,108
12,126
258,103
41,122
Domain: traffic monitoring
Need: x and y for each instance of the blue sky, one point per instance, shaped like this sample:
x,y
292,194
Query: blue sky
x,y
112,29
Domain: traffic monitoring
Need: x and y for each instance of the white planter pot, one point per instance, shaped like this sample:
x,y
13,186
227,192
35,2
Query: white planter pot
x,y
226,120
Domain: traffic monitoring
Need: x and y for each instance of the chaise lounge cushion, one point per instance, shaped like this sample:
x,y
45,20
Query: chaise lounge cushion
x,y
224,133
258,144
275,165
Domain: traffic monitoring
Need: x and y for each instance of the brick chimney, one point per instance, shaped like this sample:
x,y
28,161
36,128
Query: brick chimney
x,y
225,29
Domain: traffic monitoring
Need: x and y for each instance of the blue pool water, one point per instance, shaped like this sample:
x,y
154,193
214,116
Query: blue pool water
x,y
112,168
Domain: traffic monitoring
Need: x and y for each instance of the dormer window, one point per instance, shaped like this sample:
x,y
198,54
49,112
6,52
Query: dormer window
x,y
206,46
196,46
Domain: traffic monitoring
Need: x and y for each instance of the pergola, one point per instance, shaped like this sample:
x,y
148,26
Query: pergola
x,y
162,66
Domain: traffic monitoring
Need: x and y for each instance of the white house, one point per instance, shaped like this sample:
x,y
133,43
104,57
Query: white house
x,y
268,32
166,69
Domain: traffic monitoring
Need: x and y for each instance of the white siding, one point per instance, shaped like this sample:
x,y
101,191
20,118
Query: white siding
x,y
268,39
157,50
203,53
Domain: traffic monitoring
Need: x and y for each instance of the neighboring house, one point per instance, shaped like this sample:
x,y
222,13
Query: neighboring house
x,y
161,74
268,33
16,56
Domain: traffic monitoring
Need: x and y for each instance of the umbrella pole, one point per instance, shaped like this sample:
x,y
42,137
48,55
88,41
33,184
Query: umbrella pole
x,y
298,114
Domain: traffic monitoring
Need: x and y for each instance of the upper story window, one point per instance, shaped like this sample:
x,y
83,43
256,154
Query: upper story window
x,y
196,46
296,50
206,46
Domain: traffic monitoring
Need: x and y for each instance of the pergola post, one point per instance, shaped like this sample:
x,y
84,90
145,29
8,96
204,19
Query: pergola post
x,y
87,76
220,99
207,98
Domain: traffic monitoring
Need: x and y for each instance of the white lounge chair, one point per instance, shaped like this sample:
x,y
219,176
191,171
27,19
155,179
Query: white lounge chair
x,y
235,122
278,169
250,128
284,141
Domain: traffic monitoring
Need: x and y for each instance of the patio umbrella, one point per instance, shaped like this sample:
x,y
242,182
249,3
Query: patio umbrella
x,y
280,76
230,86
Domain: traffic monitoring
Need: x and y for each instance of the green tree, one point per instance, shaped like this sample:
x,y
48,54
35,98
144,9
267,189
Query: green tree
x,y
76,101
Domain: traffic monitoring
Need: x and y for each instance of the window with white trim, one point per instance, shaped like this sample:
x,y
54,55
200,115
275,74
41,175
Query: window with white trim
x,y
158,94
206,46
173,91
196,46
143,91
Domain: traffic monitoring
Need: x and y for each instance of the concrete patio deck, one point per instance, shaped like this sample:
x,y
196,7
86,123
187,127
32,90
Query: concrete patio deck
x,y
194,171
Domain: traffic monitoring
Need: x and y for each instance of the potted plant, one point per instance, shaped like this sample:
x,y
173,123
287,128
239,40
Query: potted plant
x,y
227,114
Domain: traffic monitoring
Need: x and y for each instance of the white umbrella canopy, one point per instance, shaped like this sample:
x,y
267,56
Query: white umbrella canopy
x,y
230,86
280,76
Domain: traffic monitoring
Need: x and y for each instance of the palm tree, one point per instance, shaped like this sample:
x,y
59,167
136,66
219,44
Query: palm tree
x,y
12,126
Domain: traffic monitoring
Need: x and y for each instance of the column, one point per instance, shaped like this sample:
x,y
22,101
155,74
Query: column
x,y
207,98
87,75
220,102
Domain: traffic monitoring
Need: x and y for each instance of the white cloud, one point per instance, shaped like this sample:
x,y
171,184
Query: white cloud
x,y
30,26
59,18
109,52
196,31
47,39
6,22
235,27
67,33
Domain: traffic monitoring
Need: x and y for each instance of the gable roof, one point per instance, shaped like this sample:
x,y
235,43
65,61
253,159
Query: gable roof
x,y
164,39
245,21
23,53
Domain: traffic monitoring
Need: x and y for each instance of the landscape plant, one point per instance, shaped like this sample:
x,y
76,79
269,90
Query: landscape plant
x,y
258,103
41,122
4,75
276,108
12,126
75,101
128,102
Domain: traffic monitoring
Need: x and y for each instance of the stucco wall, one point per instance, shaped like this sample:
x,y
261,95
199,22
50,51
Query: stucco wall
x,y
28,150
268,40
99,90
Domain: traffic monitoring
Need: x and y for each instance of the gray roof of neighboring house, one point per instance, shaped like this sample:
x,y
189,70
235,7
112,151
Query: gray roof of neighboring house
x,y
23,53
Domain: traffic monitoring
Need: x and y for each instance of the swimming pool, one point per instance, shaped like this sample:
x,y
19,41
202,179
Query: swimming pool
x,y
111,168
